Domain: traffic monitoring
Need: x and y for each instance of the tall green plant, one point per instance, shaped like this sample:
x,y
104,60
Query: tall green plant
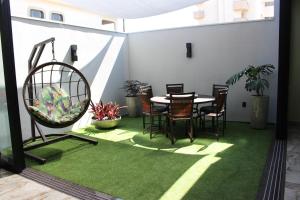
x,y
255,78
132,87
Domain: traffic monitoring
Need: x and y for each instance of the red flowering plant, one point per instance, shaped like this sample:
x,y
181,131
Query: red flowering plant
x,y
105,111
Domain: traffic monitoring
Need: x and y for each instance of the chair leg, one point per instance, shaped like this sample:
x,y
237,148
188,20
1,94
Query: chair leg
x,y
224,124
225,118
159,122
203,125
186,127
171,136
144,124
191,132
213,123
164,125
167,126
217,127
151,126
194,132
200,122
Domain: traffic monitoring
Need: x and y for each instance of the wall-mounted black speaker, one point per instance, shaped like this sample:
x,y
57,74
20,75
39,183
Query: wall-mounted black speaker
x,y
188,50
74,56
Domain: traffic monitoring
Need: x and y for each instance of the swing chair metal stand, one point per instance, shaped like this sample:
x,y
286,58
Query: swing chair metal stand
x,y
48,138
57,137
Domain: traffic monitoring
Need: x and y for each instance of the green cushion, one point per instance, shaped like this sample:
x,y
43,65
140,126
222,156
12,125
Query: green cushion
x,y
37,112
54,106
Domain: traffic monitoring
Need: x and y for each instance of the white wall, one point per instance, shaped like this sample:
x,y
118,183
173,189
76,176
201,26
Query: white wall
x,y
219,51
102,58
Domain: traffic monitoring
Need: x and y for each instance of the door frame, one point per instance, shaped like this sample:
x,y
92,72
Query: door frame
x,y
283,69
12,95
18,162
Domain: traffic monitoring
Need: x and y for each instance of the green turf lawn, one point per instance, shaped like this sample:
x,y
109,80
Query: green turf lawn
x,y
127,164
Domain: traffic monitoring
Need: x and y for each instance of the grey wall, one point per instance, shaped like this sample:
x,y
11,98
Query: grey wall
x,y
219,51
294,93
103,59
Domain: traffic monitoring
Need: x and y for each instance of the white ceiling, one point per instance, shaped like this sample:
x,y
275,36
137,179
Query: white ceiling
x,y
131,9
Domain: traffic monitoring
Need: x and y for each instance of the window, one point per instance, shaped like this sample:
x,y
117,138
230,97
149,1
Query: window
x,y
269,3
57,17
37,13
268,10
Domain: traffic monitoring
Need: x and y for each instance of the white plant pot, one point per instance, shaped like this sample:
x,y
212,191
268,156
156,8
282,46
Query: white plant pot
x,y
259,112
133,106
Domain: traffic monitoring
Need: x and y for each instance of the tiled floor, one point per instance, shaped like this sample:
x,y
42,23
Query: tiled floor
x,y
16,187
292,182
4,173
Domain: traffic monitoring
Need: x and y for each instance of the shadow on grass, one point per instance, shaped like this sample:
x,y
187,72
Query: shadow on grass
x,y
159,140
54,152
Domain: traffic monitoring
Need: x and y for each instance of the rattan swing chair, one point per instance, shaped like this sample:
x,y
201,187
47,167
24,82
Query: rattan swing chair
x,y
56,95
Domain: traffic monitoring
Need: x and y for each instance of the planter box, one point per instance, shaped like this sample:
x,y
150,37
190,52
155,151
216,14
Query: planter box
x,y
133,106
259,111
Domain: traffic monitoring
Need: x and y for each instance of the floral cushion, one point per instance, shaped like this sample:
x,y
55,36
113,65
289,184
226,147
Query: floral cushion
x,y
54,106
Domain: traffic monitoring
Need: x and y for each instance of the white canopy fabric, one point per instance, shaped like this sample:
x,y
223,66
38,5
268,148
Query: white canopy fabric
x,y
131,9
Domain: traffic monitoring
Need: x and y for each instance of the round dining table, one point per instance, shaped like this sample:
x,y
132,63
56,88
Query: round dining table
x,y
198,100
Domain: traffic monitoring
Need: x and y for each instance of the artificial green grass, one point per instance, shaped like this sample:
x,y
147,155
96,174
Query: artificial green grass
x,y
127,164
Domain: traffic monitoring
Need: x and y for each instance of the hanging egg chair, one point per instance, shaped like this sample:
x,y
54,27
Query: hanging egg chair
x,y
56,95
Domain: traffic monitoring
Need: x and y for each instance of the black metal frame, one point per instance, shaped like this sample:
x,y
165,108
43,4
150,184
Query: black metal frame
x,y
18,163
283,68
58,137
30,85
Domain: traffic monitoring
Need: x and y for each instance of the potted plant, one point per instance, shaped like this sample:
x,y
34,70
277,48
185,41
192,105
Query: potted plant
x,y
105,115
132,88
256,81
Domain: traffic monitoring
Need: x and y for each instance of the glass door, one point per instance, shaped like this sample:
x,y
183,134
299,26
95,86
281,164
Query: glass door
x,y
11,146
5,138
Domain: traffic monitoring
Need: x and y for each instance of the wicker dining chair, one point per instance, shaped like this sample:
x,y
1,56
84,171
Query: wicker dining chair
x,y
176,88
215,89
151,111
181,108
216,111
